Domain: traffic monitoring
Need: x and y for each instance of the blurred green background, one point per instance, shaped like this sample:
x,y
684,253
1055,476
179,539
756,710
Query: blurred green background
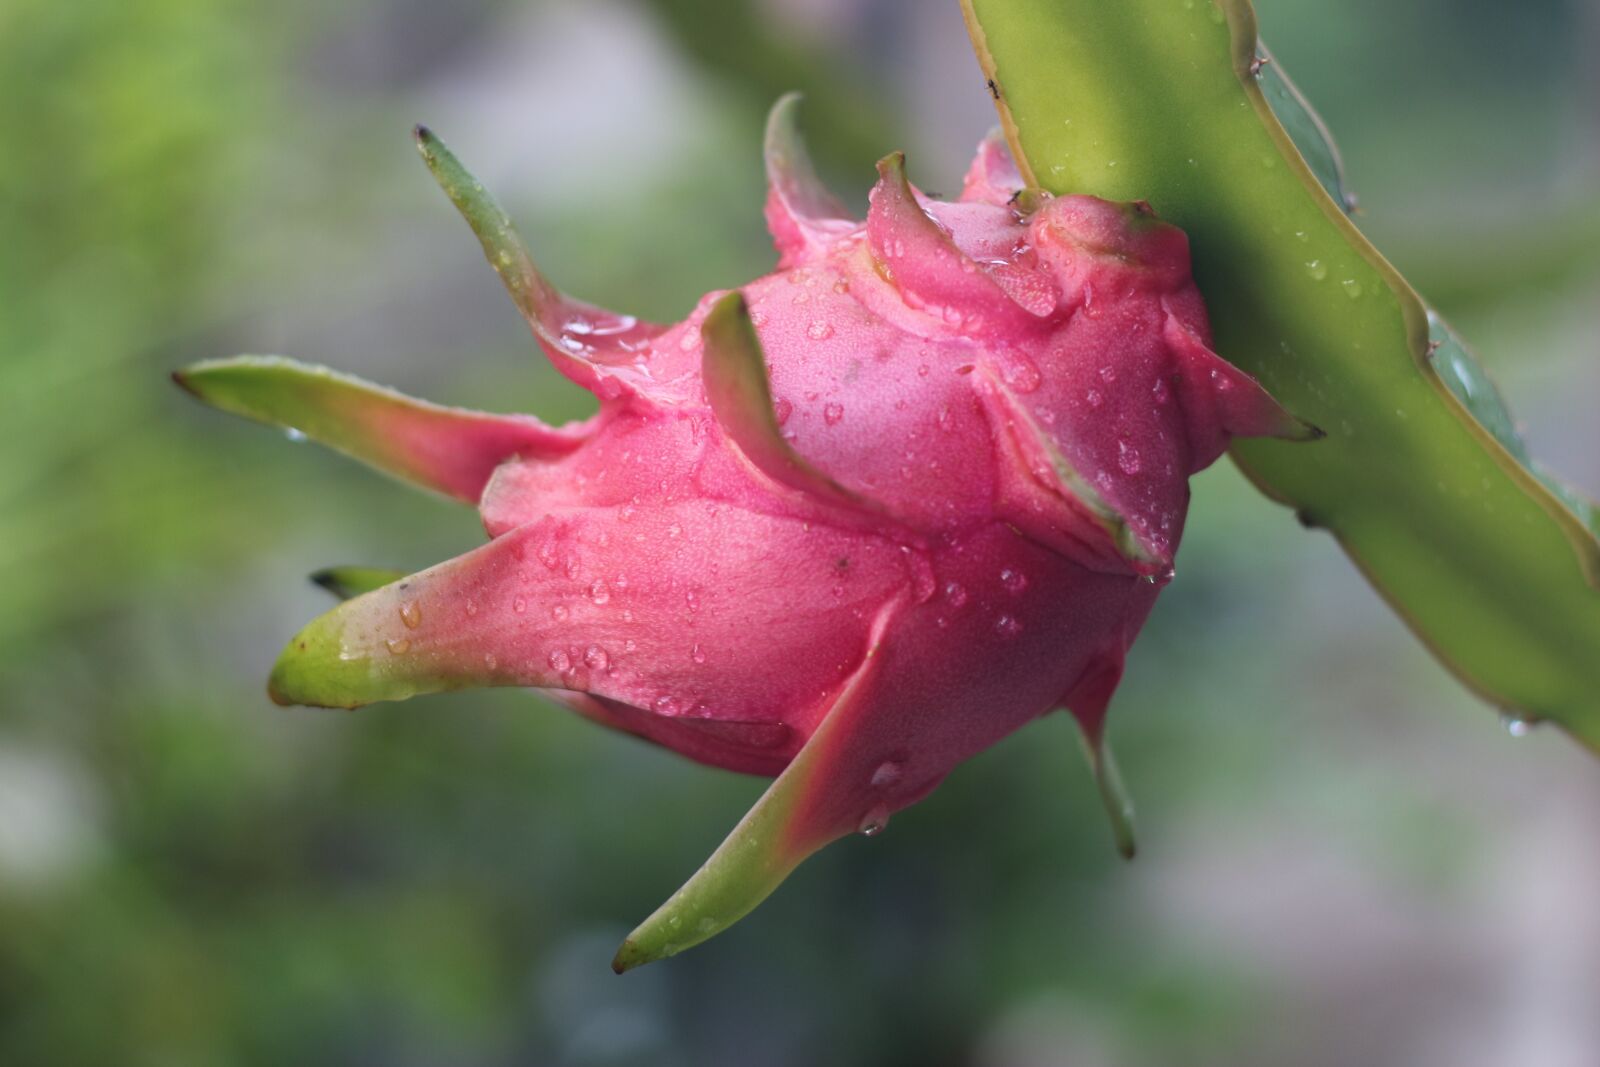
x,y
1345,859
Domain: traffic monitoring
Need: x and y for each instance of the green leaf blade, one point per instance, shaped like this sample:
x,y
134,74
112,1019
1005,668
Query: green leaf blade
x,y
1422,479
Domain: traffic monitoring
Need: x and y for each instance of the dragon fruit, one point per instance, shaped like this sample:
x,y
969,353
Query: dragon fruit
x,y
846,526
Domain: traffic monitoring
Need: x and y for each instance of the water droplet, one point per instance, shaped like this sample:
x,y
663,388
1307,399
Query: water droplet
x,y
1014,580
1127,458
297,436
873,822
667,705
1094,398
1302,235
1022,374
1317,269
819,331
472,607
956,593
411,614
689,341
489,662
832,414
596,658
1160,391
519,605
1352,288
697,653
674,530
782,409
922,371
692,598
560,661
1007,626
1108,374
887,774
599,592
841,286
559,612
398,645
1516,727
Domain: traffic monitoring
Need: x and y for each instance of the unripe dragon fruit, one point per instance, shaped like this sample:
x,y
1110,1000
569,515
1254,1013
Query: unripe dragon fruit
x,y
848,525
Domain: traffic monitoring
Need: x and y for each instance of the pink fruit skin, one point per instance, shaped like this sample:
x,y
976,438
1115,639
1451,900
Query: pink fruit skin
x,y
1012,396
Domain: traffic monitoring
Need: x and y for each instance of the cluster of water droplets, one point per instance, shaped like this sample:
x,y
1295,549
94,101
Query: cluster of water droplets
x,y
410,618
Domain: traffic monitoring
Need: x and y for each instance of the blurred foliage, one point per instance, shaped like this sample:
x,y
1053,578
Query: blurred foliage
x,y
735,41
109,205
188,875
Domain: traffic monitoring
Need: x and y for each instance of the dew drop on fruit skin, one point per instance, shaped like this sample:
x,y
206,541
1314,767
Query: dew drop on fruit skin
x,y
874,821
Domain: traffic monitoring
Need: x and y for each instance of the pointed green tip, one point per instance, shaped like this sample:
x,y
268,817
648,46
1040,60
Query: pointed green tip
x,y
737,877
249,386
490,223
213,381
1118,804
1113,794
347,582
728,318
628,957
783,121
317,670
433,150
1307,431
790,169
893,166
1026,201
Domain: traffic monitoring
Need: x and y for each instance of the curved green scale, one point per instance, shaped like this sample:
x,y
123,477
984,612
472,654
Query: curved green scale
x,y
1423,479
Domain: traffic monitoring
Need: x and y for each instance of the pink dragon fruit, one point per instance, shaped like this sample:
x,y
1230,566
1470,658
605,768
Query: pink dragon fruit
x,y
847,526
